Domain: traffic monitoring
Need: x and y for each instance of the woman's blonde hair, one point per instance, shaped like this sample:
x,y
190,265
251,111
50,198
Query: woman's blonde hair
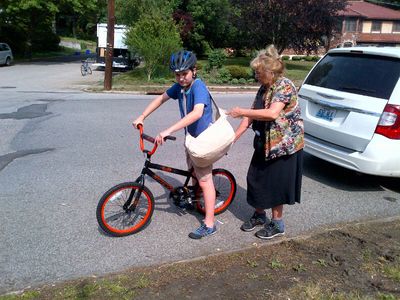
x,y
268,59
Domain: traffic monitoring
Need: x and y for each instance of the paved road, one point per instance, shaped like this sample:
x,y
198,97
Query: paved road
x,y
62,148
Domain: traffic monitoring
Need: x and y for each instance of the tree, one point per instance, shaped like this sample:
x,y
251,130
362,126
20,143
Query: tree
x,y
33,21
78,18
154,37
212,26
128,12
186,25
301,25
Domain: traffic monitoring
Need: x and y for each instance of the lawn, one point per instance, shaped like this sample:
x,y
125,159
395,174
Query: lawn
x,y
295,70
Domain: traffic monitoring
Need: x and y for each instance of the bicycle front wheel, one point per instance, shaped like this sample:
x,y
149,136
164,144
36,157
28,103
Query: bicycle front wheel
x,y
83,70
123,211
225,190
89,69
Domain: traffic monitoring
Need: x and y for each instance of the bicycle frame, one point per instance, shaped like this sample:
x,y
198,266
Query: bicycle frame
x,y
147,170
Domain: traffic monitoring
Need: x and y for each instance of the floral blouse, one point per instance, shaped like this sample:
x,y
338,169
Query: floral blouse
x,y
285,135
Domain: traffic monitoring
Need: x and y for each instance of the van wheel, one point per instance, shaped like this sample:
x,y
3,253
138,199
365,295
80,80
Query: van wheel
x,y
8,61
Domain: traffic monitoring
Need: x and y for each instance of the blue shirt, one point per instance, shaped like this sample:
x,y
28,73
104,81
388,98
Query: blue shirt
x,y
196,94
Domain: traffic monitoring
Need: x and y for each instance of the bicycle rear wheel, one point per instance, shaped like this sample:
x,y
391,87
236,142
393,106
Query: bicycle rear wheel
x,y
89,69
225,189
122,211
83,70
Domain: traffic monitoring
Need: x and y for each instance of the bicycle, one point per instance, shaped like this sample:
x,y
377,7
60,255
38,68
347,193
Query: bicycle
x,y
127,208
85,68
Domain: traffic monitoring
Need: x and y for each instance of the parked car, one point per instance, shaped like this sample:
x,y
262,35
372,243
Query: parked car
x,y
350,102
6,56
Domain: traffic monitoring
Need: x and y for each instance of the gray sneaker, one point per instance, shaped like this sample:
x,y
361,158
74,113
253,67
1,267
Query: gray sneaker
x,y
202,231
255,220
270,231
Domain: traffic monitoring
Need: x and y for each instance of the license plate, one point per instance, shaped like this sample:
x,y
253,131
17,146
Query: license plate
x,y
326,113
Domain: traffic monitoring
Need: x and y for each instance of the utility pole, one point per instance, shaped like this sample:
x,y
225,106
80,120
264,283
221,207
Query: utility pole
x,y
110,46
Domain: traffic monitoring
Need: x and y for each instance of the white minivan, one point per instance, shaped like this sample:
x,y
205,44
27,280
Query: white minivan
x,y
350,103
6,56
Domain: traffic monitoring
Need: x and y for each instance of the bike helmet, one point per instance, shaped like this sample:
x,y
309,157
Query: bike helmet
x,y
182,60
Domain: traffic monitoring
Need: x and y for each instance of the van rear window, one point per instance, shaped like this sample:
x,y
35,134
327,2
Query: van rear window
x,y
369,75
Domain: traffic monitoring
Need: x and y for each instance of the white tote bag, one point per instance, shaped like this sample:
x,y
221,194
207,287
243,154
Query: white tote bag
x,y
213,143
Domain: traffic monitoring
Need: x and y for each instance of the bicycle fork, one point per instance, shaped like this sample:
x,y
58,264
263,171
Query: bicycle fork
x,y
129,206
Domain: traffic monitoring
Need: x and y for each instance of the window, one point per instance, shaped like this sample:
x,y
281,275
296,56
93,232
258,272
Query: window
x,y
376,26
369,75
396,26
338,25
350,25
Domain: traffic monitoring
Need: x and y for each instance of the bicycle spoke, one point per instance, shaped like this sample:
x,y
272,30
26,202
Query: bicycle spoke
x,y
116,219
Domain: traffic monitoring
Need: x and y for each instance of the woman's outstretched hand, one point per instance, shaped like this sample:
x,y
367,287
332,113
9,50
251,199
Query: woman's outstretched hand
x,y
235,112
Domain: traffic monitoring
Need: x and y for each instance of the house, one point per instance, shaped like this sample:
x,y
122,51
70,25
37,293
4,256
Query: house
x,y
367,24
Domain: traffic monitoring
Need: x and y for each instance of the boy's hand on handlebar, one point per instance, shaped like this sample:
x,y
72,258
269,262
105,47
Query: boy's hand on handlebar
x,y
138,121
160,138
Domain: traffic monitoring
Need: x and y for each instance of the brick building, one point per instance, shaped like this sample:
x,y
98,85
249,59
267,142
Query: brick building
x,y
367,24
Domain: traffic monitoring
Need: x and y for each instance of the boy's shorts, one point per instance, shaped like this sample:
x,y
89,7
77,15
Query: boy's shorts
x,y
203,173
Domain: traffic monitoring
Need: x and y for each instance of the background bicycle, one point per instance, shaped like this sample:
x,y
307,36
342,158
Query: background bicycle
x,y
85,68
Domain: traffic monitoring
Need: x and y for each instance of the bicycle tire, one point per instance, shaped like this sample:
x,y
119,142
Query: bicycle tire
x,y
117,221
225,187
83,70
89,69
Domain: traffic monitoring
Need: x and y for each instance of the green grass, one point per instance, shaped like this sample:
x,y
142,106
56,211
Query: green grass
x,y
295,71
85,44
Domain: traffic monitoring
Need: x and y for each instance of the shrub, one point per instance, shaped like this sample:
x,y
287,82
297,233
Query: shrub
x,y
315,58
242,81
251,80
160,80
199,66
308,58
285,57
239,71
216,58
235,81
297,58
224,75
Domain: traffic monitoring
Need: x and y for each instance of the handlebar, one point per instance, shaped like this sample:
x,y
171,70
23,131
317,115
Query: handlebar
x,y
150,139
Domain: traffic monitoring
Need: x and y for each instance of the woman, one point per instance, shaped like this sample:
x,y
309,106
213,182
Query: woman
x,y
196,112
275,172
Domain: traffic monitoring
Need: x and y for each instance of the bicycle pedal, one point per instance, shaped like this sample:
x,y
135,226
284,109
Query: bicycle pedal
x,y
182,211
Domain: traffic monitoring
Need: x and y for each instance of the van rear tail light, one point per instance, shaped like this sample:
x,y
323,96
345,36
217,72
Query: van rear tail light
x,y
389,123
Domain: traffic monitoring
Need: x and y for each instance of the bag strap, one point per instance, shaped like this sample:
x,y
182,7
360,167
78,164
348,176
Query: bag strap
x,y
184,106
217,113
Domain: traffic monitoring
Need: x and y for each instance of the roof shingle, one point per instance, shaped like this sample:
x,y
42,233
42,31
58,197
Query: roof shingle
x,y
368,10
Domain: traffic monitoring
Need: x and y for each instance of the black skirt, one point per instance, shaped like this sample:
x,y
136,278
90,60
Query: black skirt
x,y
274,182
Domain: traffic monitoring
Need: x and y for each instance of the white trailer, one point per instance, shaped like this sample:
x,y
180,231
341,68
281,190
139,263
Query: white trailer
x,y
123,59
